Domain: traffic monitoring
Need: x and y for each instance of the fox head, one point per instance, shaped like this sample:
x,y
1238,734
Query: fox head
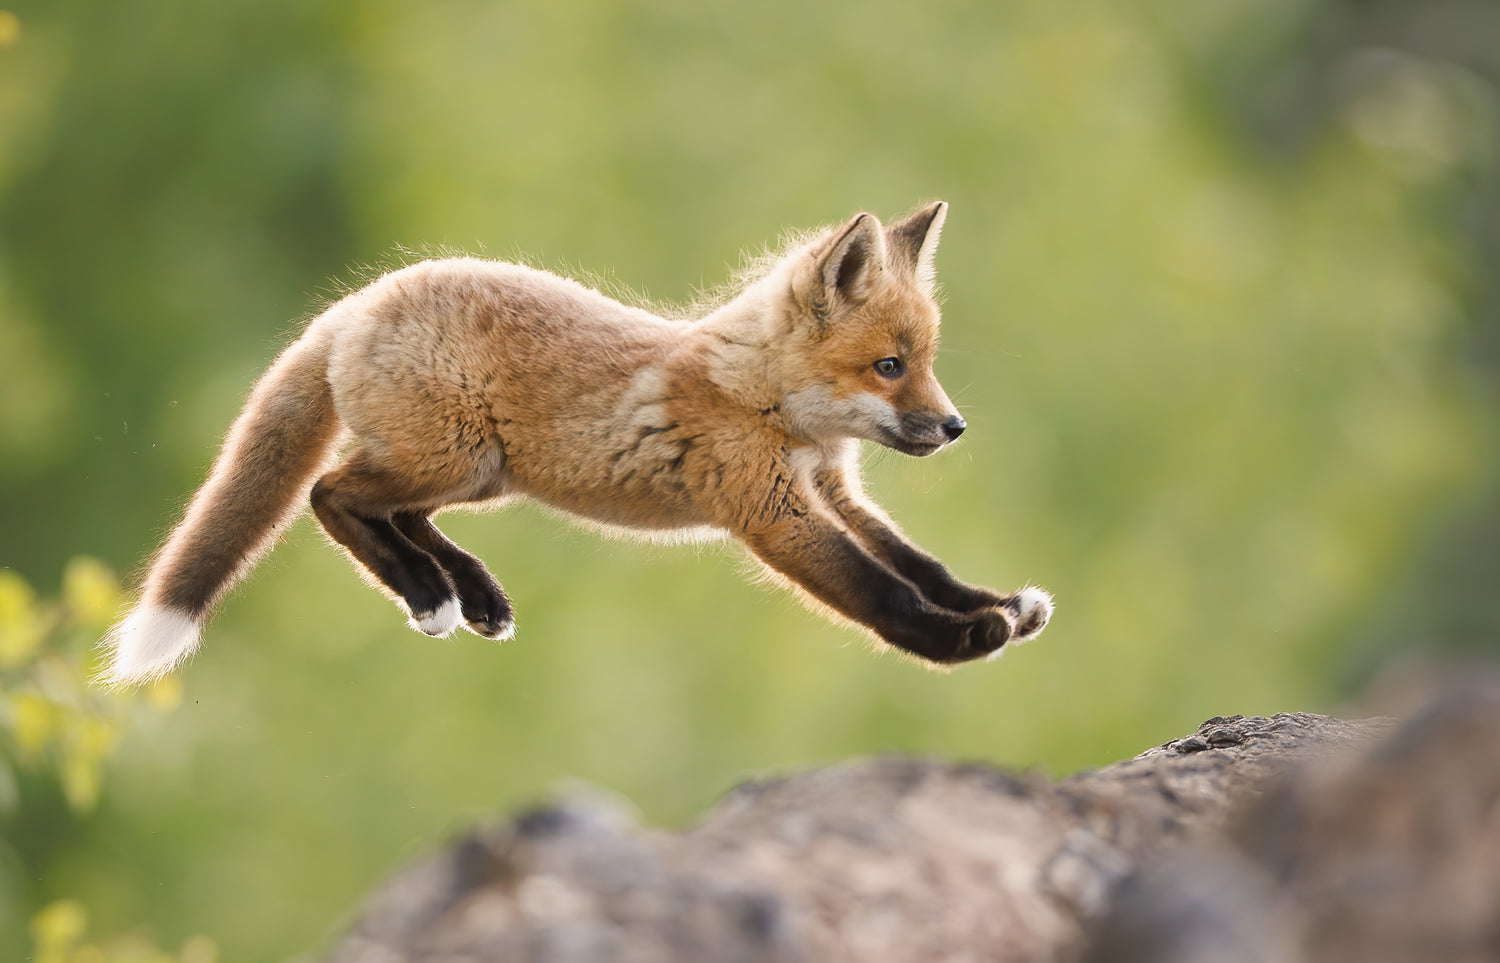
x,y
865,334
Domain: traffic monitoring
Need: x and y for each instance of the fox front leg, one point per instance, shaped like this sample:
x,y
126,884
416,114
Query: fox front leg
x,y
1030,608
836,570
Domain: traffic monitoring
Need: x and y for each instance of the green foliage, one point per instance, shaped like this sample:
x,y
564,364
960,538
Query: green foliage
x,y
1216,395
49,718
59,933
54,726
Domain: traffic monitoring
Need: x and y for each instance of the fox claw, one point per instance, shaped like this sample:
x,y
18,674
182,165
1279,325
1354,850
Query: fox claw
x,y
498,630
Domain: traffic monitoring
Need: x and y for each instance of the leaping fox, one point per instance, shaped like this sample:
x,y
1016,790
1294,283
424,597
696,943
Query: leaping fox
x,y
464,381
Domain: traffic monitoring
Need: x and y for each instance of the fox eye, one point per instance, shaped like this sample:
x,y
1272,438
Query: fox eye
x,y
890,367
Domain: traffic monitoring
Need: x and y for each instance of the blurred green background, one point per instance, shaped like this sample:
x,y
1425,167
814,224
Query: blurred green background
x,y
1220,310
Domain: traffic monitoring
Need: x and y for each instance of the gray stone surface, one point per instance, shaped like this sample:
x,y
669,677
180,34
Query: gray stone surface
x,y
1292,838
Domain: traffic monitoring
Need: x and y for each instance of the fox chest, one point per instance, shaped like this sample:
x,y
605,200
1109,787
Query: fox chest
x,y
655,456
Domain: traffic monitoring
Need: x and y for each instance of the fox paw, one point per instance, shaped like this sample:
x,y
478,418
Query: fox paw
x,y
439,622
1032,608
1029,609
486,610
498,628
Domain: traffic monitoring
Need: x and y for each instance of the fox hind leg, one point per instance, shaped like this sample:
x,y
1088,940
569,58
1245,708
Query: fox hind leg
x,y
355,504
486,609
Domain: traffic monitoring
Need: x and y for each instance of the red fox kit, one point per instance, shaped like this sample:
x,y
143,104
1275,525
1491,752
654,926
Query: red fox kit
x,y
463,381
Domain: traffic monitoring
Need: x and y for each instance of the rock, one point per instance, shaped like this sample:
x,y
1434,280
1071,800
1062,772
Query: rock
x,y
1390,854
1293,838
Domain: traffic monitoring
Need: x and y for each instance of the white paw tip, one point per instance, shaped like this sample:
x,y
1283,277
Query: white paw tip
x,y
440,622
148,644
1034,607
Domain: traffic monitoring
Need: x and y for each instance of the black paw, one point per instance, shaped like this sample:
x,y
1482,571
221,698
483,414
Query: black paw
x,y
989,630
486,609
498,629
951,638
487,612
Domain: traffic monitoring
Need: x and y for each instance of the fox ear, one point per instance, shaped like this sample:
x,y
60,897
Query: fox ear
x,y
857,254
913,241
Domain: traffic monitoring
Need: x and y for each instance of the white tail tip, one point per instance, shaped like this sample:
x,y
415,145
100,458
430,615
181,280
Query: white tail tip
x,y
151,642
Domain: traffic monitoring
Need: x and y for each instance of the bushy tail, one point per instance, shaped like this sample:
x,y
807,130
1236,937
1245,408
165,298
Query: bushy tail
x,y
274,449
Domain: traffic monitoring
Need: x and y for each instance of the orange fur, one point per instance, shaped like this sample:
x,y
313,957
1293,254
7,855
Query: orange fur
x,y
465,381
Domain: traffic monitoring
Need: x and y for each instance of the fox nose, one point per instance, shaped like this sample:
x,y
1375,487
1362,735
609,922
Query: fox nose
x,y
954,427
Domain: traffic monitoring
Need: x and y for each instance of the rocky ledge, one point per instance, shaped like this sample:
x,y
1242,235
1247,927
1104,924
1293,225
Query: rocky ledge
x,y
1294,838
